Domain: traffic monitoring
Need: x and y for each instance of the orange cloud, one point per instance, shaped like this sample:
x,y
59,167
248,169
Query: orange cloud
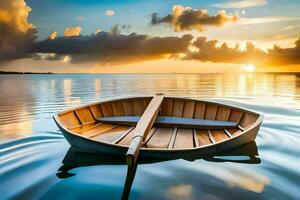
x,y
186,18
208,50
53,35
16,33
72,31
16,14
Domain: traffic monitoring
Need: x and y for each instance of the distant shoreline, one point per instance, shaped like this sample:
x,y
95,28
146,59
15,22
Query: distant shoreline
x,y
9,72
12,72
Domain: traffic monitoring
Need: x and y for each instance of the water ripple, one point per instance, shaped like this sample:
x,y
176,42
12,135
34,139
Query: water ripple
x,y
32,149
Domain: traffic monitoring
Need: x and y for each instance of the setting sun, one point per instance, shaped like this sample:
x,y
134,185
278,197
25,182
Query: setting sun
x,y
249,68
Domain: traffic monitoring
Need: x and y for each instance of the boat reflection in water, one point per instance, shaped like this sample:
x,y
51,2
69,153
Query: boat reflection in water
x,y
247,154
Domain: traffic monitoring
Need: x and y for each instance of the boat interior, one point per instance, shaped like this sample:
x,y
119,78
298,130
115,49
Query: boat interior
x,y
86,122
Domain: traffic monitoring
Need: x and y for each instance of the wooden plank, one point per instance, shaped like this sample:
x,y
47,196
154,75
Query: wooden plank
x,y
199,111
85,115
138,106
167,107
172,122
241,128
228,133
128,107
188,110
160,139
112,135
114,109
69,120
100,128
126,139
84,127
235,115
223,113
146,101
195,137
149,135
107,109
123,135
234,131
173,137
211,111
247,120
120,109
219,135
211,137
96,111
203,137
178,107
117,108
184,139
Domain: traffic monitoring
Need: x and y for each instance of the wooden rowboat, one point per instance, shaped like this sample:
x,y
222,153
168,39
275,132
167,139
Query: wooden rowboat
x,y
161,127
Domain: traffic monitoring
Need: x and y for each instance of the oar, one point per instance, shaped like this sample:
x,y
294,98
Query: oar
x,y
143,126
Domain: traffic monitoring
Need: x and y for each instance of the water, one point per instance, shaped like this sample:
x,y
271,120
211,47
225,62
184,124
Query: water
x,y
32,148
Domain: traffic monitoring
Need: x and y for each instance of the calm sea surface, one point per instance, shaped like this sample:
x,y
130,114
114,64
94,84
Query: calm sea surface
x,y
32,149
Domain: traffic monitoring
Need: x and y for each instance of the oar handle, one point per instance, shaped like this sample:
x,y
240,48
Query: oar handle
x,y
133,151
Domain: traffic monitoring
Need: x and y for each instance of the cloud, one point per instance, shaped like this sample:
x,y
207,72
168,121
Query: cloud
x,y
285,56
66,59
46,56
113,47
241,4
16,33
18,40
72,31
208,50
116,29
109,13
265,20
79,18
186,19
53,35
98,30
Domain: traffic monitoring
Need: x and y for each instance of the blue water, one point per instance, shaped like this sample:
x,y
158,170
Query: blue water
x,y
32,149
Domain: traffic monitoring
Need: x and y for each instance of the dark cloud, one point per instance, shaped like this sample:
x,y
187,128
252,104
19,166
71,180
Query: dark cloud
x,y
16,33
207,50
285,56
186,19
113,47
115,30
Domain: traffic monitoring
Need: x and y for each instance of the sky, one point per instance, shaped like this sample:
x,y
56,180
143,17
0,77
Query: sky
x,y
131,36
